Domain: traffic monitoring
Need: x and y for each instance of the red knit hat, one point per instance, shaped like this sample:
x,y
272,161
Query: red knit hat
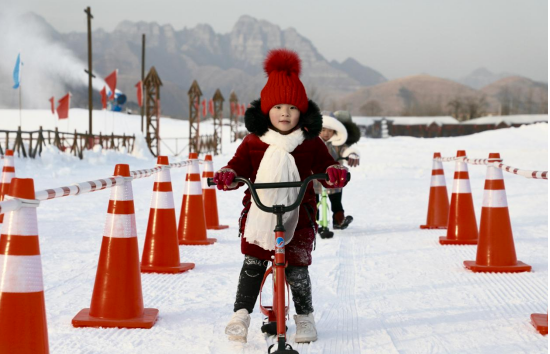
x,y
283,67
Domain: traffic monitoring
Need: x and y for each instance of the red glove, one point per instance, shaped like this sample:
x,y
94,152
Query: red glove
x,y
224,179
337,175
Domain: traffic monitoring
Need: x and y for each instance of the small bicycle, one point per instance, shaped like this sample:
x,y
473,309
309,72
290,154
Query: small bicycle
x,y
278,312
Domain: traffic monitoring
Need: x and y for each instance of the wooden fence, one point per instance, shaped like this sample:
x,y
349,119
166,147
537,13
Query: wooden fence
x,y
31,143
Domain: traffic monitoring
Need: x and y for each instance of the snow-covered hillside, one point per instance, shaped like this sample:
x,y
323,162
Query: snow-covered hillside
x,y
381,286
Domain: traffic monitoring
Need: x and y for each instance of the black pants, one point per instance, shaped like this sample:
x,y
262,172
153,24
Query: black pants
x,y
250,280
335,202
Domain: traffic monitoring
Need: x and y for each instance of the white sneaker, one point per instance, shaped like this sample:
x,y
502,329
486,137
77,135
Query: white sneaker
x,y
237,328
305,328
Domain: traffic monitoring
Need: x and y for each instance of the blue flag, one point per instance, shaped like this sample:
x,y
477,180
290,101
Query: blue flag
x,y
17,72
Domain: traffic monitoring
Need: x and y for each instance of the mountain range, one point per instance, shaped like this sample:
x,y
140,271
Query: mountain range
x,y
233,62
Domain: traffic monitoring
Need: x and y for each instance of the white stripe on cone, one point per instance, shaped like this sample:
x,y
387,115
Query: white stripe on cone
x,y
495,198
7,177
193,188
20,274
120,226
437,165
164,176
437,181
122,192
9,161
162,200
494,173
461,166
21,223
461,186
194,168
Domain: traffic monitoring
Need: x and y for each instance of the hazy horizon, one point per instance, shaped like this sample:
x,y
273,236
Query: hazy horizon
x,y
396,37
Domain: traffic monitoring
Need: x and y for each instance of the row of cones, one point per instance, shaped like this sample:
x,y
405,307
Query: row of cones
x,y
496,250
117,299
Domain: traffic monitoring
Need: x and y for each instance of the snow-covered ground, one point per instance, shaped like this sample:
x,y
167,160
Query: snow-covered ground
x,y
381,286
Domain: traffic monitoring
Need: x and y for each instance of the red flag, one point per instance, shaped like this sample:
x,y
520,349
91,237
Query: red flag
x,y
242,110
139,87
103,97
52,101
63,107
111,82
204,107
211,107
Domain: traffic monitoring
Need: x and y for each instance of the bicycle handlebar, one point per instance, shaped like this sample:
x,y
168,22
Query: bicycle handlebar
x,y
280,208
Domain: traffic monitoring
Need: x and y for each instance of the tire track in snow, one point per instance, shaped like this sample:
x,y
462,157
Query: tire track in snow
x,y
340,321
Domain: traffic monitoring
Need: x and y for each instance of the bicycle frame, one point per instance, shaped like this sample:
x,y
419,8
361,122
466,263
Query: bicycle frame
x,y
279,311
323,207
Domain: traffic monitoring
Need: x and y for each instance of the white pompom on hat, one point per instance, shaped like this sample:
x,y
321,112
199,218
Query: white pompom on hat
x,y
341,135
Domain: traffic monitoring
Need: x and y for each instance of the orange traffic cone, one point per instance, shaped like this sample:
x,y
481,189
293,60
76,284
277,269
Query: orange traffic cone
x,y
8,172
462,225
496,251
117,300
160,251
23,327
209,197
192,225
438,205
540,322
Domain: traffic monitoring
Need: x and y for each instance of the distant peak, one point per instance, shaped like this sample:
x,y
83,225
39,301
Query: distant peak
x,y
482,72
247,18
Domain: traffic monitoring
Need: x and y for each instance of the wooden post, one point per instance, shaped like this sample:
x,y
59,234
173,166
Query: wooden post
x,y
233,116
142,74
195,94
88,12
152,86
218,113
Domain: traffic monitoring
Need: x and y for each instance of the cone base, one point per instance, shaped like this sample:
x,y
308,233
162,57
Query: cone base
x,y
83,319
208,241
517,268
183,267
433,227
447,241
217,227
540,322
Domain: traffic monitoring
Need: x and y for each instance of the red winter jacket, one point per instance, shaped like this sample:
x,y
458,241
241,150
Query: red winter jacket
x,y
311,157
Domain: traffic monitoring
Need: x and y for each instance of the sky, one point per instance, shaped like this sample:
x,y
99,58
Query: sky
x,y
445,38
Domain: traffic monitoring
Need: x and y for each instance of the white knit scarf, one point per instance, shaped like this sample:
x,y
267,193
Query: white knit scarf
x,y
277,165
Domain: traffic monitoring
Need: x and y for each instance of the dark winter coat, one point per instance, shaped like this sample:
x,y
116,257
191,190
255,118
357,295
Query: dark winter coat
x,y
311,157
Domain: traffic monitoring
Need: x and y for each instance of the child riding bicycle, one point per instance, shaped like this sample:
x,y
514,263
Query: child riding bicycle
x,y
283,146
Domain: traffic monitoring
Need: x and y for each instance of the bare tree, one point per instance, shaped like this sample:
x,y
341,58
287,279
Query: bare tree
x,y
475,106
371,109
455,106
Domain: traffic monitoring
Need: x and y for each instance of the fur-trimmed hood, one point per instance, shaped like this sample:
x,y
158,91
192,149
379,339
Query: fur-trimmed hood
x,y
354,133
311,122
341,134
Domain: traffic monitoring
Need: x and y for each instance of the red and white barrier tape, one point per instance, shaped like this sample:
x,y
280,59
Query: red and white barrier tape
x,y
497,164
524,173
146,172
84,187
100,184
445,159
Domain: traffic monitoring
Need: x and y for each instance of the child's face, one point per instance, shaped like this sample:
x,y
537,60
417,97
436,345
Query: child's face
x,y
284,116
326,134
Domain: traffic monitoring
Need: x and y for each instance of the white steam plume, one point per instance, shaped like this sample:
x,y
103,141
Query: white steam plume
x,y
48,66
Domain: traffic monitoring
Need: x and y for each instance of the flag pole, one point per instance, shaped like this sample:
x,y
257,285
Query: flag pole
x,y
20,106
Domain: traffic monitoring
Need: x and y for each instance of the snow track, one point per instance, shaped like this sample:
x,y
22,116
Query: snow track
x,y
381,286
